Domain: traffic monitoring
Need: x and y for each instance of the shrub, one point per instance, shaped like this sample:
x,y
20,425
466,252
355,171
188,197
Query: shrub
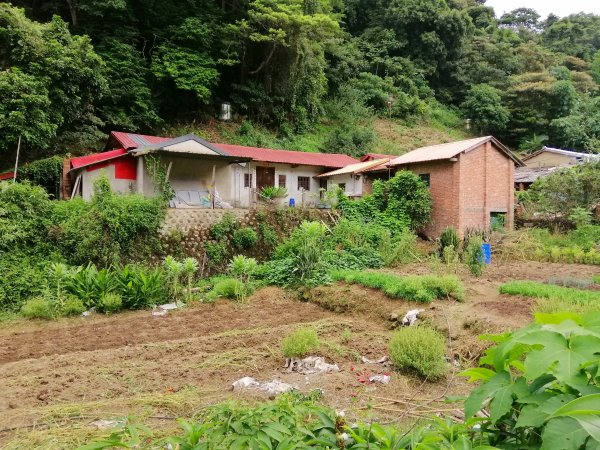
x,y
300,343
449,238
244,237
473,256
418,288
215,251
230,288
21,277
243,268
141,287
224,227
37,308
268,234
421,349
72,307
110,303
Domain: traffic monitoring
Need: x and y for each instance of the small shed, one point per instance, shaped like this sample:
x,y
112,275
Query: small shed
x,y
471,182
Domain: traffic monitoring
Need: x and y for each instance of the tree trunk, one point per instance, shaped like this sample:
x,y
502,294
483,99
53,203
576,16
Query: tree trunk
x,y
73,11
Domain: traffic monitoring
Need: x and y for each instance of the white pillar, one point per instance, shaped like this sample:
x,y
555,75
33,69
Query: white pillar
x,y
140,175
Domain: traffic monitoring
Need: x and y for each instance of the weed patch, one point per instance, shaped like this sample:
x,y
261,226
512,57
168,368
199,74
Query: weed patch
x,y
300,343
551,298
421,349
418,288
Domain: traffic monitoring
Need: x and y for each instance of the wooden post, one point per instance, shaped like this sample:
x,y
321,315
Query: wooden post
x,y
214,188
17,160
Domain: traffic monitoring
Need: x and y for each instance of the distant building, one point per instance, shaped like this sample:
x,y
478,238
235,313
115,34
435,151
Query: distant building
x,y
555,157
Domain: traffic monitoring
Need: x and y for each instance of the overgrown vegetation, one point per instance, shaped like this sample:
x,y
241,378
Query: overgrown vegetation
x,y
418,288
300,343
420,349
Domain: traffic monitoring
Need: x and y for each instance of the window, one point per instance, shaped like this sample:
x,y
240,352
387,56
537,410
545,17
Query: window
x,y
282,181
497,220
304,183
342,186
247,180
426,178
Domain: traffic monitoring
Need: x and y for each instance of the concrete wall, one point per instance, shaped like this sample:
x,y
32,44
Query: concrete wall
x,y
89,176
549,159
354,187
243,195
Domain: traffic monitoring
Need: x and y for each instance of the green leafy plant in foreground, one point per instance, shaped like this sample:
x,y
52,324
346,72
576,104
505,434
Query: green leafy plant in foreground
x,y
540,385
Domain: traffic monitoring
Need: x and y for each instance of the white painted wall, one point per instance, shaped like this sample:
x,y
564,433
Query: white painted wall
x,y
88,178
242,195
354,187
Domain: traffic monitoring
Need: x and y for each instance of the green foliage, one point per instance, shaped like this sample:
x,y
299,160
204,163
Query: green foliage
x,y
418,288
483,105
215,251
273,192
267,234
226,226
37,308
449,239
52,80
23,276
421,349
551,292
539,385
45,173
110,229
24,215
402,201
473,256
141,287
231,288
110,303
581,216
244,238
563,191
72,307
300,343
243,268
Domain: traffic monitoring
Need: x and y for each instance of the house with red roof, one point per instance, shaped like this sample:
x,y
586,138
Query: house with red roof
x,y
202,174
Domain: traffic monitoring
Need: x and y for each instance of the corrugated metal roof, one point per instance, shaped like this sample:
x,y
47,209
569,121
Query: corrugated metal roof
x,y
288,156
577,155
335,160
83,161
372,156
132,140
530,174
355,168
449,150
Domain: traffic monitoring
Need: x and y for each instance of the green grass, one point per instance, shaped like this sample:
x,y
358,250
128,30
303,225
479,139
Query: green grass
x,y
596,279
552,298
418,288
421,349
300,343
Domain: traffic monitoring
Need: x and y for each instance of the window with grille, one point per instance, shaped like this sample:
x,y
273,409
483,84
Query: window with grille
x,y
426,178
282,181
304,183
247,180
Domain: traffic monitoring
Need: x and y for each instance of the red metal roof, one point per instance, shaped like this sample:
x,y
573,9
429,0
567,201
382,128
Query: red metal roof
x,y
132,140
288,156
87,160
7,176
334,160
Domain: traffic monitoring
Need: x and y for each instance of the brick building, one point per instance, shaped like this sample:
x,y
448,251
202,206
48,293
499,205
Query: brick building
x,y
471,182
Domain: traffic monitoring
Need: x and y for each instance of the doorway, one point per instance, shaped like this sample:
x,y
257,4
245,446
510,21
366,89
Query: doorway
x,y
265,177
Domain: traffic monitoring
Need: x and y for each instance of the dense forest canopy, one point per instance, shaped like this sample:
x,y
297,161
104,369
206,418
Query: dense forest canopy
x,y
71,70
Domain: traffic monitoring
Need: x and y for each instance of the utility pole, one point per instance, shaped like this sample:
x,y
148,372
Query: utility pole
x,y
17,160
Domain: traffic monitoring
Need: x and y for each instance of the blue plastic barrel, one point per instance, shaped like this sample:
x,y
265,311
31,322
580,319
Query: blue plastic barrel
x,y
487,253
292,202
